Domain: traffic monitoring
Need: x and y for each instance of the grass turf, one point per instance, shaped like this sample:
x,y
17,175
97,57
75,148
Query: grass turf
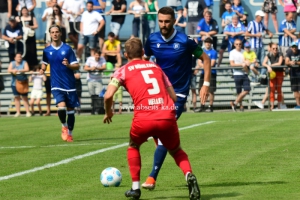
x,y
251,155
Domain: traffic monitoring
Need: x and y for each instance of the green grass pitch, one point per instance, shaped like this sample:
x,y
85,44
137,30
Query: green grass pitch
x,y
250,155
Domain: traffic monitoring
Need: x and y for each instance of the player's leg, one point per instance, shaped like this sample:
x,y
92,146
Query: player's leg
x,y
169,136
139,133
48,95
161,151
72,101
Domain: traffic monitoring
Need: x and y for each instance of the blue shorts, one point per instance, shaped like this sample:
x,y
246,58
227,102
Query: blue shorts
x,y
70,98
91,39
242,81
16,93
180,106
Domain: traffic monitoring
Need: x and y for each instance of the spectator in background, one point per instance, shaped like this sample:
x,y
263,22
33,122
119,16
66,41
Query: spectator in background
x,y
222,6
5,13
275,59
194,10
112,50
288,28
292,60
15,68
15,3
289,6
118,96
94,65
91,24
61,20
118,6
209,50
28,23
180,22
235,30
238,9
13,33
74,9
208,27
51,3
47,17
175,4
29,4
37,90
78,85
270,7
226,20
255,31
99,6
196,67
240,76
137,8
153,7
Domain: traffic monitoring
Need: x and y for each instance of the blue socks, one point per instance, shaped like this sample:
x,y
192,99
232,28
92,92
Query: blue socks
x,y
159,157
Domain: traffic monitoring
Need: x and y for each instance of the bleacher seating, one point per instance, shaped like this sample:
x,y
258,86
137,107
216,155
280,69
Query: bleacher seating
x,y
225,88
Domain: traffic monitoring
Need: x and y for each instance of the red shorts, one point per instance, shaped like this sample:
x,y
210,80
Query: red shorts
x,y
165,130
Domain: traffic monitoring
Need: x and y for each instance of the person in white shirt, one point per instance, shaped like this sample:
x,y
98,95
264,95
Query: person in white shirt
x,y
74,9
48,18
50,3
37,90
91,24
94,65
29,4
241,79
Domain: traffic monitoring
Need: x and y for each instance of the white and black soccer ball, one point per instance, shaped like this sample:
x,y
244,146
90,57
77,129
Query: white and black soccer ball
x,y
111,177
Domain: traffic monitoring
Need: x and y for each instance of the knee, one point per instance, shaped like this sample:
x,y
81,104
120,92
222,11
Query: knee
x,y
132,144
174,151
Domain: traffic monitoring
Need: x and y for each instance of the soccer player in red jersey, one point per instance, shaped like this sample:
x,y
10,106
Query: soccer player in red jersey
x,y
154,114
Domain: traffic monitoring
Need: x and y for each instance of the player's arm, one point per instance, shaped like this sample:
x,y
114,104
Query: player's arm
x,y
169,87
73,66
108,99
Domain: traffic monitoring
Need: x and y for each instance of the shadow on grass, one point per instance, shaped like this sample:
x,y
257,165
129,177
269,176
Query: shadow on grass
x,y
203,197
232,184
103,139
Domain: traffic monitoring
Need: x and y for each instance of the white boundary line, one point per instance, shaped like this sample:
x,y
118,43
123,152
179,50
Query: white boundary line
x,y
55,145
68,160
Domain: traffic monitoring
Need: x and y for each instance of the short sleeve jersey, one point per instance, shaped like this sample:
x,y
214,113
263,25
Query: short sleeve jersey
x,y
213,55
147,85
118,6
195,10
285,41
62,78
203,26
251,56
112,46
174,56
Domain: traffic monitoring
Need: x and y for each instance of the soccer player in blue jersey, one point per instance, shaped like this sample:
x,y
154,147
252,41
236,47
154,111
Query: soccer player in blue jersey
x,y
63,62
173,52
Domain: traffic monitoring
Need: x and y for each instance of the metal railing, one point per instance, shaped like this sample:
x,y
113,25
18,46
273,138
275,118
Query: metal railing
x,y
3,45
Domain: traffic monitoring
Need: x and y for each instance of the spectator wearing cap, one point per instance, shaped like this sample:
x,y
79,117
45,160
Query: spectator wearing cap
x,y
250,62
255,32
118,6
91,24
5,13
208,27
292,60
112,50
240,76
180,22
288,28
209,50
194,10
13,33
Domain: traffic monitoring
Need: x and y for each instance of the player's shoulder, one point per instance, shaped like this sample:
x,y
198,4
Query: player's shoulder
x,y
154,36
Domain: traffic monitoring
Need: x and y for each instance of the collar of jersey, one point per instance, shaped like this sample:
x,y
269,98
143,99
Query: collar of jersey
x,y
238,25
56,48
170,38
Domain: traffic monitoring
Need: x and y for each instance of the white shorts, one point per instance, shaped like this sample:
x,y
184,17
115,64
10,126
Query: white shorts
x,y
115,28
36,94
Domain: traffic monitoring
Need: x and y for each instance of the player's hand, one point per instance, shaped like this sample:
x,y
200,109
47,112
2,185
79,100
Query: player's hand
x,y
65,62
107,117
204,94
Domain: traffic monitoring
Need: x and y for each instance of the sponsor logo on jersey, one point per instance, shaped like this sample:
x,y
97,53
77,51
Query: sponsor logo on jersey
x,y
51,53
63,53
158,45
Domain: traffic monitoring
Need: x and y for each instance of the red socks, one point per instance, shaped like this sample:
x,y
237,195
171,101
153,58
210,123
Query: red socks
x,y
182,161
134,163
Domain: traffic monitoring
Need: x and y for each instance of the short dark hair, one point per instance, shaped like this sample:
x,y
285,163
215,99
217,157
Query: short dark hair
x,y
98,51
111,34
56,26
208,13
167,11
19,52
90,2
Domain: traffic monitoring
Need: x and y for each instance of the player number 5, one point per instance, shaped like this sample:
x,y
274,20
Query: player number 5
x,y
153,81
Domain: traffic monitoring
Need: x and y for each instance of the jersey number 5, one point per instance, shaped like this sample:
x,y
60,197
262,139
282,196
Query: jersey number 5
x,y
153,81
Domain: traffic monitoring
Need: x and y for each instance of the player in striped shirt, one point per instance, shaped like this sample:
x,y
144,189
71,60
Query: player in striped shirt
x,y
288,28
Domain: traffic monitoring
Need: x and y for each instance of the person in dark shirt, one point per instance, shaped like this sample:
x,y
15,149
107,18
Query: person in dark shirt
x,y
118,6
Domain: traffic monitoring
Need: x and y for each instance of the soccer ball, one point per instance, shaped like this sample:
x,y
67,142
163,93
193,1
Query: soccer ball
x,y
111,177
